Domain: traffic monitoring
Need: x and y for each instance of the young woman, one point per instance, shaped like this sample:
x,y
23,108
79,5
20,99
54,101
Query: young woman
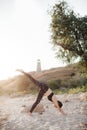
x,y
44,90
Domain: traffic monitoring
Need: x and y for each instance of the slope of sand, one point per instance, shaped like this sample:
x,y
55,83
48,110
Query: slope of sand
x,y
14,113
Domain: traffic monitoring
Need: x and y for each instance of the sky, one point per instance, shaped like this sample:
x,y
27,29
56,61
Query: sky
x,y
25,35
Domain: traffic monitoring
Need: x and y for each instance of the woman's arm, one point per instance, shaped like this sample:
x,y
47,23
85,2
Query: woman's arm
x,y
56,105
29,76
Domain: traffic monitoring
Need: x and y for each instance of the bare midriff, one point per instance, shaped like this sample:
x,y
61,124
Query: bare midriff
x,y
48,92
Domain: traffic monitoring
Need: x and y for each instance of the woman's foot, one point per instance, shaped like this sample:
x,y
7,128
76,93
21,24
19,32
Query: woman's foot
x,y
30,114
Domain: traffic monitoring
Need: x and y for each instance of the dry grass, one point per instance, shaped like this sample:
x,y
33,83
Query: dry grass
x,y
21,83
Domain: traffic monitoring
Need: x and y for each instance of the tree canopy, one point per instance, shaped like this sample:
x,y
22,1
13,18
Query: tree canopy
x,y
68,33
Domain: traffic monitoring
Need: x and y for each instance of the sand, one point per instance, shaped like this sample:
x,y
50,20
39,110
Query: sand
x,y
14,113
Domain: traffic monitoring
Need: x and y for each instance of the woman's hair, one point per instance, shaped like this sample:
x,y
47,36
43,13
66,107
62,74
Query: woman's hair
x,y
60,104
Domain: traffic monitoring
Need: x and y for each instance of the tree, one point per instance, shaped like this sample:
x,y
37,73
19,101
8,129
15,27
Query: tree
x,y
68,33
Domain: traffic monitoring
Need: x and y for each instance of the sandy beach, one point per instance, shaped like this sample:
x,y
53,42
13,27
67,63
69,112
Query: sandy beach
x,y
14,113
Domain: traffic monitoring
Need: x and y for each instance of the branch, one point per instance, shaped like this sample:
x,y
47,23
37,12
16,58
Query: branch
x,y
69,48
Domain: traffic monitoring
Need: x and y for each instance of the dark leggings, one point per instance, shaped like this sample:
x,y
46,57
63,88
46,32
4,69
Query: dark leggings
x,y
40,95
43,88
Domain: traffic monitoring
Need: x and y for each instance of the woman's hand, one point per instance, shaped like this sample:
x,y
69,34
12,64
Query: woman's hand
x,y
19,70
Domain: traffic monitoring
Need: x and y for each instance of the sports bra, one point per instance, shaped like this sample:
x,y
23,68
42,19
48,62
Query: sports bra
x,y
50,96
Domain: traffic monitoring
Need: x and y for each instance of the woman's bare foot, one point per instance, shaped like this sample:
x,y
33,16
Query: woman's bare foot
x,y
30,114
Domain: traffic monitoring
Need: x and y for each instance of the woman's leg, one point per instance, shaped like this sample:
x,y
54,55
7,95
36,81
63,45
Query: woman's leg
x,y
40,95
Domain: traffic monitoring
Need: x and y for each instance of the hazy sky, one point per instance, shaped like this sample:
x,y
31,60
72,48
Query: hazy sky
x,y
25,37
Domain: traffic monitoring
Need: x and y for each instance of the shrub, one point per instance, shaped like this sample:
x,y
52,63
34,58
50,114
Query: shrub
x,y
72,90
55,84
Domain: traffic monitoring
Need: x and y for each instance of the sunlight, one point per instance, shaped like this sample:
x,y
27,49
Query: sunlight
x,y
25,36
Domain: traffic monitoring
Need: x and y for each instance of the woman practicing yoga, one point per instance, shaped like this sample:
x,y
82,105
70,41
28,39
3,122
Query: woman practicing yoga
x,y
44,90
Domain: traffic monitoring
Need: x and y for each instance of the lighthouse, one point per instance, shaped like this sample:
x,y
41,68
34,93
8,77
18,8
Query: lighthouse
x,y
38,65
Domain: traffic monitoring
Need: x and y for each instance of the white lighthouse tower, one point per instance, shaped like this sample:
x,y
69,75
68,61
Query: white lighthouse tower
x,y
38,65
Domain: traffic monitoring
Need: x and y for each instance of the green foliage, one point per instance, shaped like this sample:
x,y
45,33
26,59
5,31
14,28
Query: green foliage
x,y
68,33
71,83
83,68
72,90
78,89
54,84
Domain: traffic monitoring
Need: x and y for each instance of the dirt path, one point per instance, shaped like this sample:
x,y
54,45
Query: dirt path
x,y
14,118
